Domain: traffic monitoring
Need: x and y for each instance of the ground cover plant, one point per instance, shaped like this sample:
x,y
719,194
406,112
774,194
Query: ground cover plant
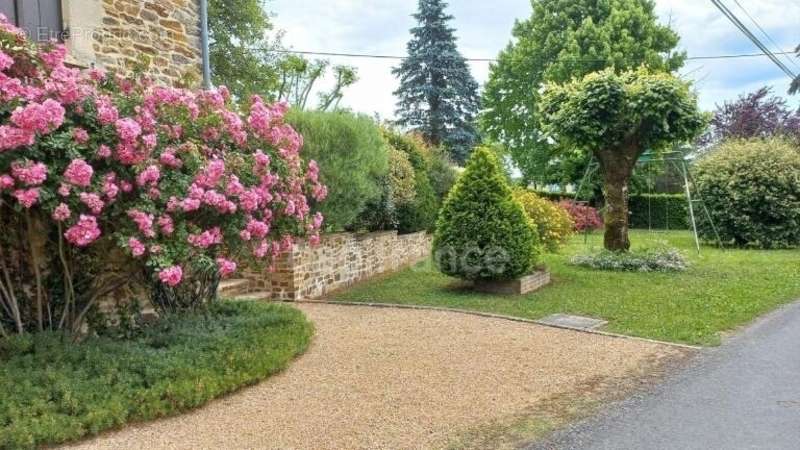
x,y
721,290
54,391
662,259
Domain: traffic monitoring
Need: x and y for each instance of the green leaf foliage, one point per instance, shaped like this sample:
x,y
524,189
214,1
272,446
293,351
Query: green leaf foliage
x,y
398,190
401,177
562,40
419,214
659,211
752,190
617,117
352,156
241,54
482,232
607,111
552,223
56,391
434,176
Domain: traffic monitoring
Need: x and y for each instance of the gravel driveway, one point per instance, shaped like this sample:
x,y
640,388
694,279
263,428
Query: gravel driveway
x,y
397,378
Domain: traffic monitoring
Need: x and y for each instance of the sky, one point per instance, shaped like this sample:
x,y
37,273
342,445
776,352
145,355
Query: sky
x,y
484,28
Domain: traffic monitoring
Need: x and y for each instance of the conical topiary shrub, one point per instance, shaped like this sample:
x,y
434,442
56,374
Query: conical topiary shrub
x,y
483,234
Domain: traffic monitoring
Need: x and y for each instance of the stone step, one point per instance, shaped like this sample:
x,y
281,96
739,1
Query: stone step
x,y
232,288
254,296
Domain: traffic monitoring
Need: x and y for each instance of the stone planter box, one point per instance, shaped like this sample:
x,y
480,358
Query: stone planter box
x,y
520,286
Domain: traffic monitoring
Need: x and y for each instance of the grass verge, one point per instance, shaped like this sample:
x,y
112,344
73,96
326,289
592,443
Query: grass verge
x,y
54,391
721,290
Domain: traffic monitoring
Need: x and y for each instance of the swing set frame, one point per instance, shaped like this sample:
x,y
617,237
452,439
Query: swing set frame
x,y
676,159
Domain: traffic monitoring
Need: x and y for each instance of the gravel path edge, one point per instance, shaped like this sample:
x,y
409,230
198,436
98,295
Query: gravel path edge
x,y
490,316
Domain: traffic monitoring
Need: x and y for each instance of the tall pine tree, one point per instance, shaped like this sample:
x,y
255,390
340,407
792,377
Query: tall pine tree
x,y
438,97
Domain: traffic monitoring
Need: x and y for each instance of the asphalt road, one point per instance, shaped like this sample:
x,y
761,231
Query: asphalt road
x,y
742,395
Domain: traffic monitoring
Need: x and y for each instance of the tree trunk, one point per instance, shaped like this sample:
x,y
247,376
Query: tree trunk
x,y
617,166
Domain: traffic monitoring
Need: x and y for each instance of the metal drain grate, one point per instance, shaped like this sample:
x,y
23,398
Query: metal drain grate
x,y
564,320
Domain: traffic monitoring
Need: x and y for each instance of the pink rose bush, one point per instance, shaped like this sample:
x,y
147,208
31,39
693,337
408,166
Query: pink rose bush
x,y
170,176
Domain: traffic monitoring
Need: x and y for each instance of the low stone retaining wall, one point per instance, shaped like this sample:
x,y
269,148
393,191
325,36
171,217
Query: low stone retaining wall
x,y
339,260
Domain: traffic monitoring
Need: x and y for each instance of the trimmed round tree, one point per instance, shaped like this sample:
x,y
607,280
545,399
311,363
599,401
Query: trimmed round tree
x,y
482,232
617,117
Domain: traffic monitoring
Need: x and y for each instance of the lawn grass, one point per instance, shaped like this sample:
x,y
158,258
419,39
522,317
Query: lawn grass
x,y
53,391
723,289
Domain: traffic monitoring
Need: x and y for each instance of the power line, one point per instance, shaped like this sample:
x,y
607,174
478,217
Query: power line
x,y
764,32
398,57
743,28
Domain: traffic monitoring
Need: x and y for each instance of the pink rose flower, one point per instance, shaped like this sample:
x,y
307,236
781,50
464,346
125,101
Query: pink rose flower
x,y
127,129
5,61
257,228
79,173
137,248
144,222
27,197
149,176
61,213
80,135
207,238
6,182
39,118
317,220
93,202
171,276
226,266
84,232
64,190
31,174
104,151
166,224
169,159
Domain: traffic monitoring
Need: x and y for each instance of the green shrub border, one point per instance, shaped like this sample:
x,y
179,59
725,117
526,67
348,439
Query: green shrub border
x,y
56,391
648,211
659,211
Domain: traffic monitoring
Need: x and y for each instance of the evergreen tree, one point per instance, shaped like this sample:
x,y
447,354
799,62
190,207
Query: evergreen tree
x,y
438,95
482,232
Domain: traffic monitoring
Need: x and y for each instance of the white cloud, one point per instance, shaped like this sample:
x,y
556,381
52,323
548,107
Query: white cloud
x,y
484,28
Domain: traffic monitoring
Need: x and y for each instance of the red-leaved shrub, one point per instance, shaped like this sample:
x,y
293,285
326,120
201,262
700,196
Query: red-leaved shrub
x,y
585,217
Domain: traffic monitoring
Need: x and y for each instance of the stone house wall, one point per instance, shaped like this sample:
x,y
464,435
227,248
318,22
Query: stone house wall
x,y
339,260
114,34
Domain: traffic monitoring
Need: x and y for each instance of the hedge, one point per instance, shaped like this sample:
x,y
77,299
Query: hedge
x,y
353,159
659,211
656,211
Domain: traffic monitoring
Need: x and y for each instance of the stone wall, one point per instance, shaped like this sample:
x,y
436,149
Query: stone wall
x,y
114,34
338,261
